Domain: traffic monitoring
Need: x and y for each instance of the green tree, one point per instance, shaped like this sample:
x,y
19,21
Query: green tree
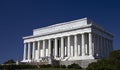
x,y
112,63
10,61
115,55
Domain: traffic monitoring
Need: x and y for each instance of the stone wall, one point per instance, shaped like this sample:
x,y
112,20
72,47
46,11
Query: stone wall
x,y
82,63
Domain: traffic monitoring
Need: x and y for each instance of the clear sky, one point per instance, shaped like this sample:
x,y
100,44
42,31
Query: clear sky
x,y
19,17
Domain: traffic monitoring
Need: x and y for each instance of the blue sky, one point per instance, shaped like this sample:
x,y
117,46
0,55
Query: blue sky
x,y
19,17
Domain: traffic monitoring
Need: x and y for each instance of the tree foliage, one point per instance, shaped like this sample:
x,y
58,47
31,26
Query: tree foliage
x,y
10,61
76,66
112,63
115,55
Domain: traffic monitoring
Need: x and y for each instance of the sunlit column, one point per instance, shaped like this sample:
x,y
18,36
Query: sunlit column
x,y
90,44
29,52
83,45
56,50
75,45
79,46
68,42
49,47
43,48
38,49
25,48
62,47
33,51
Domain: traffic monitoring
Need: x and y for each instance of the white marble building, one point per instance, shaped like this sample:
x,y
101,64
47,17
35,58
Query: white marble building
x,y
80,39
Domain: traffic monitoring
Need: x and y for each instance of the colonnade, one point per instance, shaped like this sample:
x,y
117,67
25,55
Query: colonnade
x,y
87,44
103,46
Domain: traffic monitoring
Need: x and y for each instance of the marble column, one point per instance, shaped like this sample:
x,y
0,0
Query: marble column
x,y
33,51
75,45
107,49
90,44
101,46
69,48
38,49
25,48
104,47
98,46
93,44
83,45
49,47
29,51
43,48
56,47
79,45
62,47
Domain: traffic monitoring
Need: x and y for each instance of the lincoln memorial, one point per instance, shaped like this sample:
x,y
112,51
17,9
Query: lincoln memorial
x,y
77,41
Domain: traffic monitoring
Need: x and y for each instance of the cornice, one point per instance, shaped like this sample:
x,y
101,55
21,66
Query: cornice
x,y
34,36
66,26
59,24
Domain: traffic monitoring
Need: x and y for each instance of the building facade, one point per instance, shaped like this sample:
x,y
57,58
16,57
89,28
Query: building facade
x,y
76,40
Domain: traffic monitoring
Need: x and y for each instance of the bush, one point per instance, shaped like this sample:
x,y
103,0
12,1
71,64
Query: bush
x,y
104,64
69,66
115,55
13,67
62,66
26,66
112,63
10,61
45,66
48,65
76,66
56,66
